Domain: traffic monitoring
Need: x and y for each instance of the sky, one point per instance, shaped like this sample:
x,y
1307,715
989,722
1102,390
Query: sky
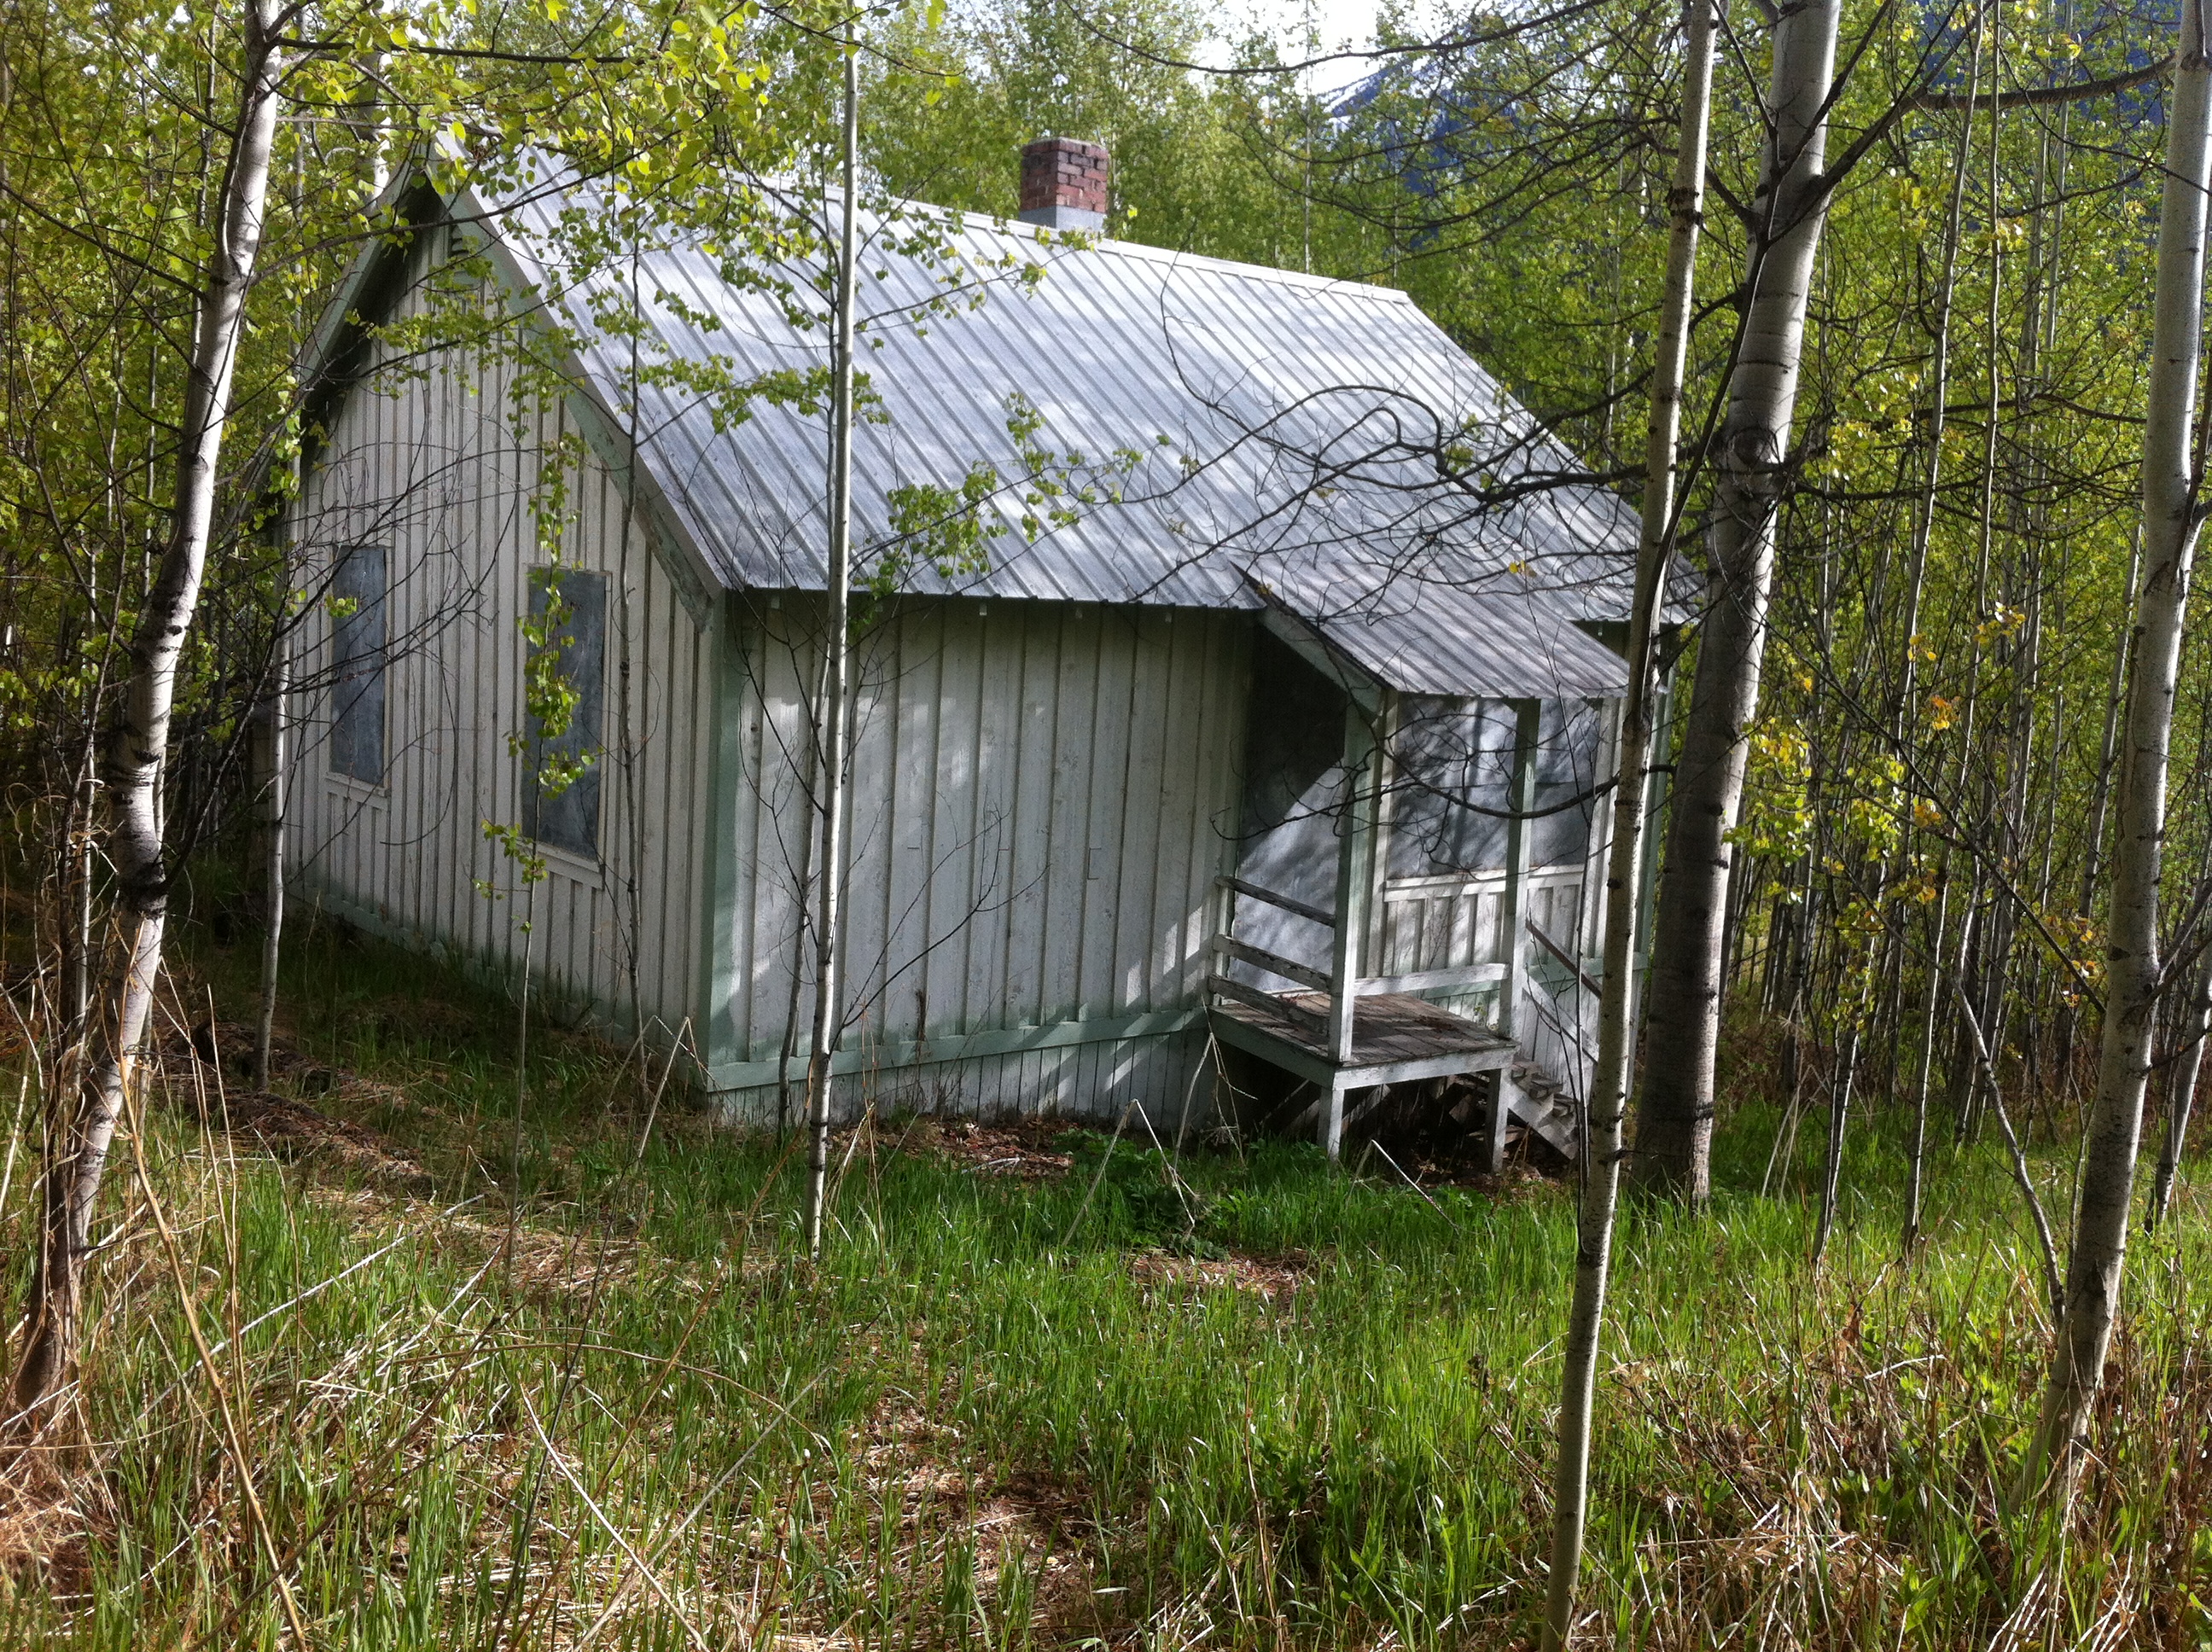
x,y
1338,23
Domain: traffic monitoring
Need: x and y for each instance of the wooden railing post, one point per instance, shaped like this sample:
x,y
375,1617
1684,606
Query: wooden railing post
x,y
1520,839
1355,869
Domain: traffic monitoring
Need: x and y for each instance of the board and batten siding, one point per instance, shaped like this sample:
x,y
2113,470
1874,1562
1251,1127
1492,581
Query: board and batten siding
x,y
428,464
1042,796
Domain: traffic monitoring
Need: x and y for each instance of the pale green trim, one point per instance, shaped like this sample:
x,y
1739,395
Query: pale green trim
x,y
1004,1041
719,971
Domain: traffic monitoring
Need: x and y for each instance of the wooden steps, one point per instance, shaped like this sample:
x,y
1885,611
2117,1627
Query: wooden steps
x,y
1544,1104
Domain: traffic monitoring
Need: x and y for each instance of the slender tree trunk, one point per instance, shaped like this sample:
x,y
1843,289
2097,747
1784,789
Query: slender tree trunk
x,y
805,884
2170,522
1916,1148
1608,1104
1831,1167
830,781
1923,527
2100,789
2100,798
136,746
84,809
1675,1120
272,935
1986,1068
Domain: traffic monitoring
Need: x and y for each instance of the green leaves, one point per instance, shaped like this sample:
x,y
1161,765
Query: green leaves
x,y
942,528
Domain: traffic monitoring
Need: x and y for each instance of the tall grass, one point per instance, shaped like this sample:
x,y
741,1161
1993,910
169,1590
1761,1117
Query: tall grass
x,y
1013,1410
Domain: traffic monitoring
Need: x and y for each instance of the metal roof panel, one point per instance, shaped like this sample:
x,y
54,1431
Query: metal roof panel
x,y
1312,435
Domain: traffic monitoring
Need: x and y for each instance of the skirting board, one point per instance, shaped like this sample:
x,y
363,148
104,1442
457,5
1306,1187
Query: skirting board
x,y
1158,1075
870,1057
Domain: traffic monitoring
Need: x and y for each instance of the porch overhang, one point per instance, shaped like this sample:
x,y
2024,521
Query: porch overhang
x,y
1416,637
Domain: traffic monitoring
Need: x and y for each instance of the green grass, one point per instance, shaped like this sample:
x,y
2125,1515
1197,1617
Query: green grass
x,y
1008,1412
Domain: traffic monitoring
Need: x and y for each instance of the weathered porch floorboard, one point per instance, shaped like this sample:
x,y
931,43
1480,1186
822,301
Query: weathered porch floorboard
x,y
1395,1039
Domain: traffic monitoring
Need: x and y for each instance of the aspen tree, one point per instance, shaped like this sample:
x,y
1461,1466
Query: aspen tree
x,y
2132,979
830,708
272,935
136,746
1608,1103
1915,585
1674,1115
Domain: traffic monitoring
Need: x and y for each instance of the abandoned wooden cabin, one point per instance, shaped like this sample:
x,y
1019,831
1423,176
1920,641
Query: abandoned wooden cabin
x,y
1285,740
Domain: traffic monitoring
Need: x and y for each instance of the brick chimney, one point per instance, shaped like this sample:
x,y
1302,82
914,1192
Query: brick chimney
x,y
1064,183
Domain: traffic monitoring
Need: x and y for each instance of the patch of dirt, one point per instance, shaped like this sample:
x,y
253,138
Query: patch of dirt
x,y
569,1268
1020,1148
298,1133
223,1050
45,1528
1268,1278
196,1061
1030,1530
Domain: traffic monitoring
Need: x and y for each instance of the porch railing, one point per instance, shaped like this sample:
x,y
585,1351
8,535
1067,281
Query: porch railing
x,y
1331,983
1558,1028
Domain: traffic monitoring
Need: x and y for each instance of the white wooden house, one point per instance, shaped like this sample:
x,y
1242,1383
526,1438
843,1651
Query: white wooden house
x,y
1101,822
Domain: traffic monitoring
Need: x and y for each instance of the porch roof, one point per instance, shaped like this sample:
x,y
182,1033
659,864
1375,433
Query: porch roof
x,y
1430,638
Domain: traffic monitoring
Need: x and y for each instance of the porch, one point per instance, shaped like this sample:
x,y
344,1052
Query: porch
x,y
1407,971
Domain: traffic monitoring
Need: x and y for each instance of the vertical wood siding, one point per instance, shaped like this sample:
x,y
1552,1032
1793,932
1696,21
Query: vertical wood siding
x,y
428,464
1042,799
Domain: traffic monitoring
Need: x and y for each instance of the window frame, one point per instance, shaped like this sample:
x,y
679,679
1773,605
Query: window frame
x,y
368,665
576,815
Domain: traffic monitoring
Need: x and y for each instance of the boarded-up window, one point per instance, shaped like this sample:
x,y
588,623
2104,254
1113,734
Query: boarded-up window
x,y
358,645
566,815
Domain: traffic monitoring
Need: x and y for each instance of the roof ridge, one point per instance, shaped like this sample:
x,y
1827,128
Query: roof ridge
x,y
1150,253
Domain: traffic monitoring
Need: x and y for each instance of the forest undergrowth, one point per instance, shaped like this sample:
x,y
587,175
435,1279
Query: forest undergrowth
x,y
1048,1387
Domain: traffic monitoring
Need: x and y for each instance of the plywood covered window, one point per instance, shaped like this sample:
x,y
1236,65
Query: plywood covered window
x,y
359,646
568,662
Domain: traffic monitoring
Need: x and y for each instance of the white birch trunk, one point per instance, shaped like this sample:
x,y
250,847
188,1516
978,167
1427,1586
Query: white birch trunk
x,y
830,779
136,747
1616,1038
272,937
1923,524
2131,977
1674,1116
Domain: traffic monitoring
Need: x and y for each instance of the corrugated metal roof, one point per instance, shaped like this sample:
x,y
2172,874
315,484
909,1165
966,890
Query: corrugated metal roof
x,y
1310,435
1423,638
